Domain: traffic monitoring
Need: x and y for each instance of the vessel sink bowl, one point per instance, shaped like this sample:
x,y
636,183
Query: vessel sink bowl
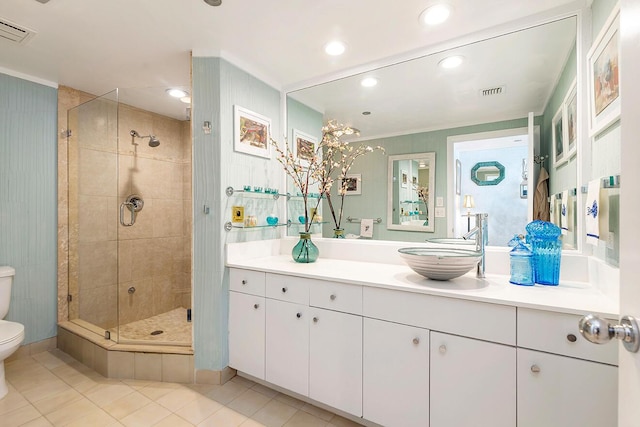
x,y
452,243
440,263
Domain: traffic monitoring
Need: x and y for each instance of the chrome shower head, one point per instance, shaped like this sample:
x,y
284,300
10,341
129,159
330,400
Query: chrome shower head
x,y
153,141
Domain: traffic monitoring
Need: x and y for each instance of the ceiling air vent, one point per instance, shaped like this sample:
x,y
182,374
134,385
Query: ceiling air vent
x,y
498,90
14,33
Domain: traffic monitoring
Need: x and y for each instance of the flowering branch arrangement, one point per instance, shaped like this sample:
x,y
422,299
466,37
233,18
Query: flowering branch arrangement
x,y
329,163
423,194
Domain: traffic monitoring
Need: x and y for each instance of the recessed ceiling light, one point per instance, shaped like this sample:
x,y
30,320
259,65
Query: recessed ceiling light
x,y
176,93
436,14
369,82
451,61
335,48
186,99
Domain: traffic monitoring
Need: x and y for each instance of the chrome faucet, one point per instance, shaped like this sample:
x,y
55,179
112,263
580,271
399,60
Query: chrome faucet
x,y
480,232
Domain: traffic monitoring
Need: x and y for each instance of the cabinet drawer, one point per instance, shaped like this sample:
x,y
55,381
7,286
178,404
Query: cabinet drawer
x,y
558,333
337,297
247,281
288,288
490,322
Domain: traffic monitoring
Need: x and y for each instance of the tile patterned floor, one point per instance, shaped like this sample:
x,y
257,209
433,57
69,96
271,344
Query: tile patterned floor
x,y
176,329
53,389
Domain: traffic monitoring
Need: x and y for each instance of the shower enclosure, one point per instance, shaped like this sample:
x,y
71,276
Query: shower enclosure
x,y
129,222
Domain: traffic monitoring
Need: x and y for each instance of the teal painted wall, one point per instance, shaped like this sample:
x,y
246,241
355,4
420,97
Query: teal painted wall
x,y
217,87
28,202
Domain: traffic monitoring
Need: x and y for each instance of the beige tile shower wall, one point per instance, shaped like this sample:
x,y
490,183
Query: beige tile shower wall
x,y
155,253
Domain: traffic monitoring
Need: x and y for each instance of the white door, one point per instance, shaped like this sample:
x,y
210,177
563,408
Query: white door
x,y
629,372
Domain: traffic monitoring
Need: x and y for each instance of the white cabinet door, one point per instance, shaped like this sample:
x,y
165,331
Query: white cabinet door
x,y
335,360
395,374
473,382
246,333
287,354
559,391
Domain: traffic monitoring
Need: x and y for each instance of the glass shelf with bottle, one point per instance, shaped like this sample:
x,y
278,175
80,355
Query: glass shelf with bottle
x,y
256,191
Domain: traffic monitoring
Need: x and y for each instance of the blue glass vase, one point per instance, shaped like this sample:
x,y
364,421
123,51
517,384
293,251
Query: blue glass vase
x,y
547,251
305,251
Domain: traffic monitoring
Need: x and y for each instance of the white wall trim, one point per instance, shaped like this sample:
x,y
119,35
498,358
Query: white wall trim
x,y
28,77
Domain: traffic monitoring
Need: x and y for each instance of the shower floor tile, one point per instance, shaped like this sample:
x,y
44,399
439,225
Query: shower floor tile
x,y
173,324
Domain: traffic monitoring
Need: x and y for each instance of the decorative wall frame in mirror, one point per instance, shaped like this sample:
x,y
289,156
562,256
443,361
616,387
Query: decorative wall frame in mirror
x,y
411,180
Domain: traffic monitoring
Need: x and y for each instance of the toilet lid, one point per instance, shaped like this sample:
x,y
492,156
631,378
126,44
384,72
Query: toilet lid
x,y
10,330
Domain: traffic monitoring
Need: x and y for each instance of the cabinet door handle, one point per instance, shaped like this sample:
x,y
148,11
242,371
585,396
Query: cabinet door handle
x,y
443,349
332,297
571,338
244,282
284,290
256,306
298,315
416,341
315,320
535,369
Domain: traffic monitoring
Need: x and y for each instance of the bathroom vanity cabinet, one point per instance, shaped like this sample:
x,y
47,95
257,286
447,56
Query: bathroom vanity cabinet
x,y
401,358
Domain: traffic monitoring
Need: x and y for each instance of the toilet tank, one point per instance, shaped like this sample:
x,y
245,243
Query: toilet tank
x,y
6,278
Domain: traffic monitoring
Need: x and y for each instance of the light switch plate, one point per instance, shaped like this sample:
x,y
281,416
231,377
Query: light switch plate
x,y
439,201
440,212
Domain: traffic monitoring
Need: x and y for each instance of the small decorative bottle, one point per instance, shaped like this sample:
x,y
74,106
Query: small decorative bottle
x,y
521,264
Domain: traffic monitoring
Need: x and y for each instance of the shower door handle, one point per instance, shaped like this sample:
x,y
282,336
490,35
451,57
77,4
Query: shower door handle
x,y
133,214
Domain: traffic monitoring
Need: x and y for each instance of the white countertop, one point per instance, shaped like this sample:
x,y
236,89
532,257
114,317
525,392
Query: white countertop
x,y
569,297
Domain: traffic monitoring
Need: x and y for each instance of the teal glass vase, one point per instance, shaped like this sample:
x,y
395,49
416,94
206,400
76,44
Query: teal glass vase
x,y
305,251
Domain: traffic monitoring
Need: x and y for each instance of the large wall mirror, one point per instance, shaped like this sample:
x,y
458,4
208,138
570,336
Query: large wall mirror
x,y
417,105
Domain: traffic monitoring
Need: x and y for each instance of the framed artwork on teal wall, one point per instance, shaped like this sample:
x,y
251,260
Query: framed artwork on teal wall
x,y
252,132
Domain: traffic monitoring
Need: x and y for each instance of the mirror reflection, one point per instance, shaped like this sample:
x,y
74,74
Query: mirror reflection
x,y
417,105
410,178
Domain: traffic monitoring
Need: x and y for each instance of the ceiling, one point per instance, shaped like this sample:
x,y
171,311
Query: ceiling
x,y
97,46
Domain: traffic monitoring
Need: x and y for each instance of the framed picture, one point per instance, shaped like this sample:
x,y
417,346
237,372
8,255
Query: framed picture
x,y
557,127
404,178
414,180
571,108
252,133
304,147
603,75
353,184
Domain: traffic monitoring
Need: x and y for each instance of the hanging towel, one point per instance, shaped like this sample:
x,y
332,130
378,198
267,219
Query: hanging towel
x,y
564,212
592,210
366,228
540,198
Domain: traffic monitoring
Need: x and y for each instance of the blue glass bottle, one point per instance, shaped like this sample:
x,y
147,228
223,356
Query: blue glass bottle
x,y
547,249
521,265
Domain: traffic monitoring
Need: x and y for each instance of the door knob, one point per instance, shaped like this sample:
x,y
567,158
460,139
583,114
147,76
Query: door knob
x,y
600,331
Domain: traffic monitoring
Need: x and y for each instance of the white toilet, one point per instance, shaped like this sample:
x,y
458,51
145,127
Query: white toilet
x,y
11,333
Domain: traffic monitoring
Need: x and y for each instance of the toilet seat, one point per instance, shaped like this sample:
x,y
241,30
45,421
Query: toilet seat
x,y
10,331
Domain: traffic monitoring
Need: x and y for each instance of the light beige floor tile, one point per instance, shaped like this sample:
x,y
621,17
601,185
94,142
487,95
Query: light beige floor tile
x,y
199,409
243,381
136,384
12,401
48,360
126,405
227,392
173,421
249,402
320,413
156,390
48,388
304,419
57,401
19,416
178,398
146,416
72,412
224,417
274,414
202,388
338,421
291,401
251,423
103,394
97,418
38,422
265,390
